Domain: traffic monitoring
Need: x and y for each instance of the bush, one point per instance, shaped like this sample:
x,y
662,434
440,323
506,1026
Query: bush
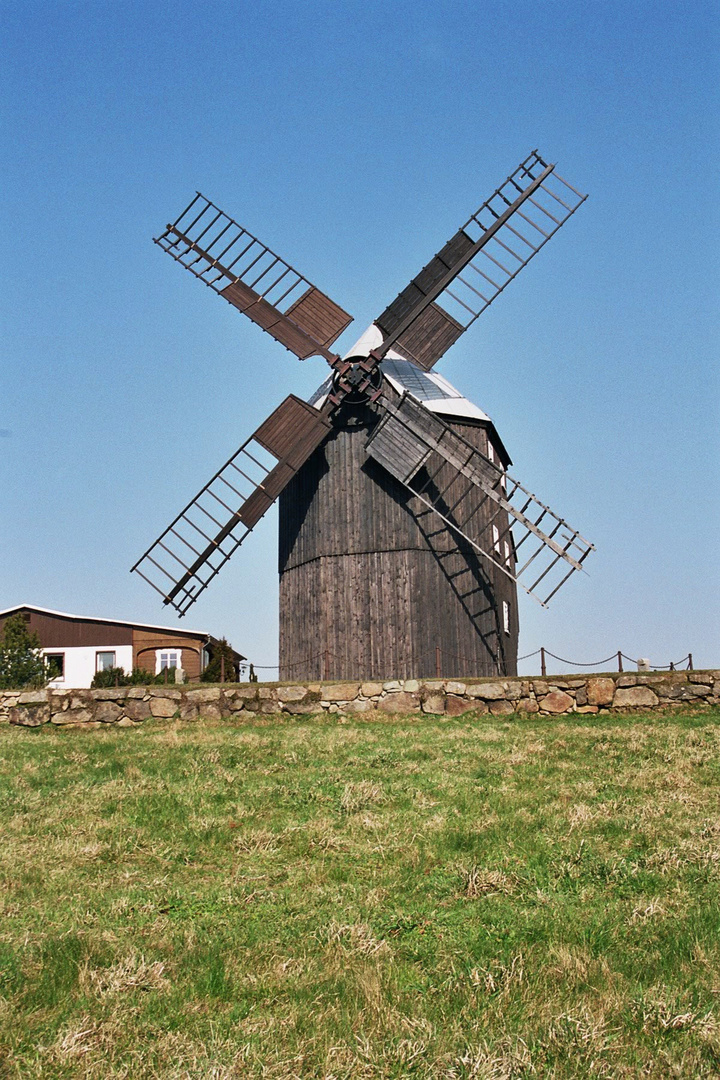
x,y
214,671
116,676
22,664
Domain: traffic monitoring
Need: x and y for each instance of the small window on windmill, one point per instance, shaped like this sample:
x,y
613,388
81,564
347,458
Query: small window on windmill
x,y
506,549
490,451
496,538
506,616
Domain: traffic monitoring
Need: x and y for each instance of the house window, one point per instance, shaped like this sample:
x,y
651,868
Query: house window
x,y
56,665
104,661
166,659
506,616
496,538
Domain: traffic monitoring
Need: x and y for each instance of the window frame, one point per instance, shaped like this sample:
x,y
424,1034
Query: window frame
x,y
105,652
49,657
174,649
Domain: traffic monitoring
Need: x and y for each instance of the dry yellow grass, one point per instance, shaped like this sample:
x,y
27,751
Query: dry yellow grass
x,y
432,898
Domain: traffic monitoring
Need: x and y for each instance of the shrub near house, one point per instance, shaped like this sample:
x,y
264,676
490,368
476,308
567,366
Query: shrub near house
x,y
22,663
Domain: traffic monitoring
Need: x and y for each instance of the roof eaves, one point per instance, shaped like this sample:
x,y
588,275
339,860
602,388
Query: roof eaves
x,y
102,619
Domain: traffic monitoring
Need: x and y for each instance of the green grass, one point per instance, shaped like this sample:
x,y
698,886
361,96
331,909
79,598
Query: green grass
x,y
478,897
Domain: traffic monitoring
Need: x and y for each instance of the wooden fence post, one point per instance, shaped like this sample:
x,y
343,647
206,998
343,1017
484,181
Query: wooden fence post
x,y
690,666
543,668
438,661
327,664
620,667
222,667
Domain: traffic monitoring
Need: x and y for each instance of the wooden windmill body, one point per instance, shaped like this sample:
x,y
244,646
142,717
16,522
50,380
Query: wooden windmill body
x,y
403,536
372,583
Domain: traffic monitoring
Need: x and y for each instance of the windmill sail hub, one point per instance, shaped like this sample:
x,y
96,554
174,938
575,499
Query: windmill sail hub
x,y
435,392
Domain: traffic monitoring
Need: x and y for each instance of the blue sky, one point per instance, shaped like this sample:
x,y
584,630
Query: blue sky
x,y
354,138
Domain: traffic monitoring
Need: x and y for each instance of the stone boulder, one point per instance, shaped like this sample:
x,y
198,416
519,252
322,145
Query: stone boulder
x,y
340,692
34,697
291,693
211,710
456,688
600,691
71,717
359,706
204,694
635,697
490,691
399,702
501,708
310,708
162,707
107,712
137,710
30,715
557,701
457,706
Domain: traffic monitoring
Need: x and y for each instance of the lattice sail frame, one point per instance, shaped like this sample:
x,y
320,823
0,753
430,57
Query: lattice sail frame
x,y
478,262
251,277
404,441
186,557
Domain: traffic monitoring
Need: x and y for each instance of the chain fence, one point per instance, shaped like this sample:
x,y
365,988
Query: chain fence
x,y
445,664
442,664
615,658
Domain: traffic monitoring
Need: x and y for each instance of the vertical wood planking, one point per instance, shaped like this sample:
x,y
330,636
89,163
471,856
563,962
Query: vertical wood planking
x,y
369,573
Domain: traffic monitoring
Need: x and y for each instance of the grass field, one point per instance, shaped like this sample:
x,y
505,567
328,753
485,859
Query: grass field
x,y
413,898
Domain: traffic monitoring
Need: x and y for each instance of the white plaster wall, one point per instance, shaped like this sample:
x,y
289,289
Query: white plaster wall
x,y
80,664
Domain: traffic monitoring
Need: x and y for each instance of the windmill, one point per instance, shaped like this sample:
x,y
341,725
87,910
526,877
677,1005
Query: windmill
x,y
403,537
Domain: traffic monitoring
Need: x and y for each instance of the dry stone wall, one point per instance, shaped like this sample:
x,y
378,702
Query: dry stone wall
x,y
552,696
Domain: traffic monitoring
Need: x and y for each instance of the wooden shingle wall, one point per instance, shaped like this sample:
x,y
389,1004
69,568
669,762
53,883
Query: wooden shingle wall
x,y
371,581
57,631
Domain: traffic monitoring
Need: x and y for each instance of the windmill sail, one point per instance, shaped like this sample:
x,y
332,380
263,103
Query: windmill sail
x,y
254,279
478,262
411,443
185,558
